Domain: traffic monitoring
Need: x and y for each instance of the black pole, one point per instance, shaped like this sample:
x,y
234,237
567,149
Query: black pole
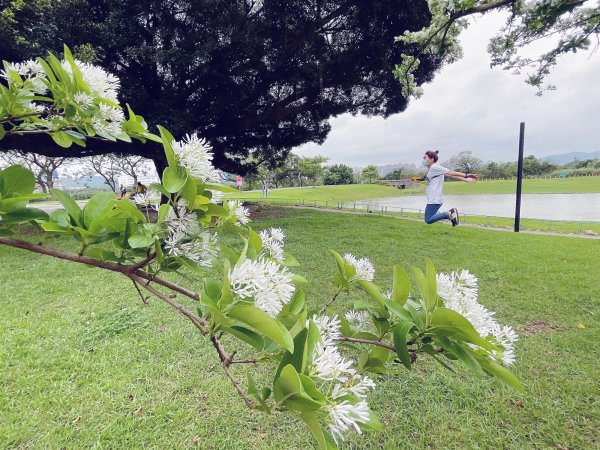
x,y
519,177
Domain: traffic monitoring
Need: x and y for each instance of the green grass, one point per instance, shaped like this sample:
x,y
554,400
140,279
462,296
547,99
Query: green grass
x,y
530,186
351,192
342,193
83,363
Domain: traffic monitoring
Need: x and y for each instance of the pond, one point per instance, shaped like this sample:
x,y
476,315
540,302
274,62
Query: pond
x,y
575,207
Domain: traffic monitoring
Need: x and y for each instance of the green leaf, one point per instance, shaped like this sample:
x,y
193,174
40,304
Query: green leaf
x,y
23,216
429,295
289,260
289,381
62,139
397,310
16,181
248,336
297,302
457,326
400,342
140,241
159,188
254,243
263,323
174,179
400,286
70,205
323,439
188,192
375,293
499,371
462,353
98,206
52,227
167,140
131,208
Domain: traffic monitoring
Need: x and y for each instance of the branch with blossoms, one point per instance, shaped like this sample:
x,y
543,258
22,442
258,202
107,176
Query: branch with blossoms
x,y
575,22
323,366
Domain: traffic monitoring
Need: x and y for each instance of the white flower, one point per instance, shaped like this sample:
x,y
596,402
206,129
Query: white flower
x,y
100,82
150,197
202,249
345,415
272,242
358,319
30,68
84,100
242,214
269,284
196,155
329,328
357,385
329,365
181,221
364,267
217,196
459,292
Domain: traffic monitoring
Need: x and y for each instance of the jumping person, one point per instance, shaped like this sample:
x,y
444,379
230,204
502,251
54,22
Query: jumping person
x,y
435,185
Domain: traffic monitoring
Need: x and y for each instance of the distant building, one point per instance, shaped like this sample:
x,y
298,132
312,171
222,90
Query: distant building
x,y
127,181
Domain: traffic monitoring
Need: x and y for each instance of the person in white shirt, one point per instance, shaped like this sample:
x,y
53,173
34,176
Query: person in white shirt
x,y
435,186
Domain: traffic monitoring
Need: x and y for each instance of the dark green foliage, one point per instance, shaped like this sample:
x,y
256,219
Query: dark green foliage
x,y
338,174
264,80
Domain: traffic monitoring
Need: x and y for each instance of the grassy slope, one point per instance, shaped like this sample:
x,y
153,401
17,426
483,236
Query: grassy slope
x,y
83,363
365,191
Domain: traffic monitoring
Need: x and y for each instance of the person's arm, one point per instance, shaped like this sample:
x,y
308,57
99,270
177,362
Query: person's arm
x,y
463,176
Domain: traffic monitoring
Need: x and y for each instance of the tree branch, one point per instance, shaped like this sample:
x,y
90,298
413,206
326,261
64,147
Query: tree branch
x,y
124,269
227,361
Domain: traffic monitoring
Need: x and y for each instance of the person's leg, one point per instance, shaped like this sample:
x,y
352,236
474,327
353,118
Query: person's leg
x,y
432,215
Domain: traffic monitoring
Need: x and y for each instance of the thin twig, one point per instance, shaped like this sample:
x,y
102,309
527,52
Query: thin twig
x,y
198,321
322,310
143,263
144,299
226,361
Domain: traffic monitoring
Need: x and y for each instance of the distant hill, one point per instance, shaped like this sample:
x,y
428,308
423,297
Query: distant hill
x,y
96,182
566,158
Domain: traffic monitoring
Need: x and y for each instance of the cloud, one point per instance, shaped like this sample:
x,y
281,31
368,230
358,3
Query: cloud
x,y
469,106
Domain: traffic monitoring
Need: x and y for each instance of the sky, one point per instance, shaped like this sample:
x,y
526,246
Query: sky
x,y
469,106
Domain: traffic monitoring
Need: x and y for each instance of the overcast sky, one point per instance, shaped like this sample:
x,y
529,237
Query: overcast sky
x,y
469,106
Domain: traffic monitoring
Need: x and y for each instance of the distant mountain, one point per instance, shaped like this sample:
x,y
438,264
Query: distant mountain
x,y
95,182
566,158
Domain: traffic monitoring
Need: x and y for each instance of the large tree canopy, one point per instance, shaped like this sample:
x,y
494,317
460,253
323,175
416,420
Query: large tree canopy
x,y
251,77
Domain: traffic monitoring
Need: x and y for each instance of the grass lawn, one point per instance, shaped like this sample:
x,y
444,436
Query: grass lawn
x,y
84,363
351,192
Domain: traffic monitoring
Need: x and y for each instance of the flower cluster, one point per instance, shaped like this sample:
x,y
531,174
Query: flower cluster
x,y
31,70
148,198
329,328
242,214
196,156
360,320
364,267
347,406
266,282
459,291
272,242
100,82
187,239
